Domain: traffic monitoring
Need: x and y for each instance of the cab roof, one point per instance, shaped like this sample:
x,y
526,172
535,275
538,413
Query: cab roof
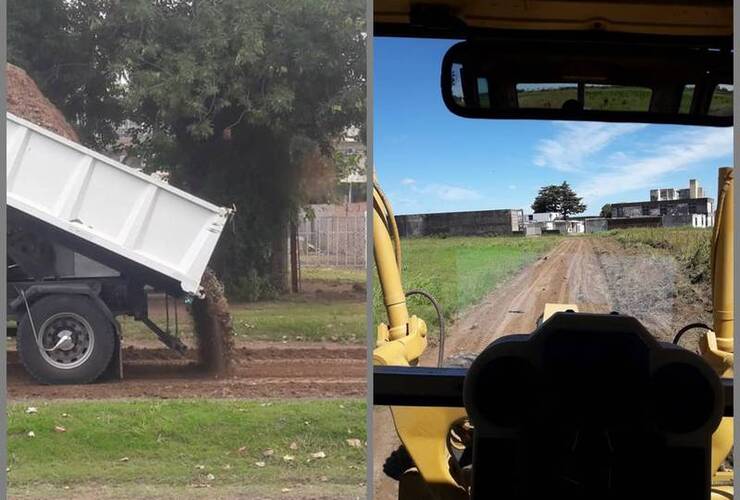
x,y
695,19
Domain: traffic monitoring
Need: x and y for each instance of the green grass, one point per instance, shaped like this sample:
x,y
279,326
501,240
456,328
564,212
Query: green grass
x,y
459,272
618,98
166,442
690,246
339,321
334,274
596,98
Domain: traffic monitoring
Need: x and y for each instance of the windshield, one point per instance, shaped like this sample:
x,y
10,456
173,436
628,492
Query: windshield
x,y
500,217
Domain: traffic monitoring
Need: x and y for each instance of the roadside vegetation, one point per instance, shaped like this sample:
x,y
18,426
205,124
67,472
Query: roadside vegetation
x,y
330,307
617,98
459,271
334,275
187,444
282,320
690,246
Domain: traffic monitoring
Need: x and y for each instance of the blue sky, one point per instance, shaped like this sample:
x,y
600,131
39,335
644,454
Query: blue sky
x,y
429,160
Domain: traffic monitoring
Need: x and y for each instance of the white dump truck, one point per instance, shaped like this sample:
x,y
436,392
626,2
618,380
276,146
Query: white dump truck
x,y
88,239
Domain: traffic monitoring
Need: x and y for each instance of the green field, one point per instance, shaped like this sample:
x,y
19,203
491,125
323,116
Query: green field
x,y
333,274
276,321
459,272
185,444
617,98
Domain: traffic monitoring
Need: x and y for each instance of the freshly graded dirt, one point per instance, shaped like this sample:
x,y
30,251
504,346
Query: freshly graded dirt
x,y
259,370
26,101
595,273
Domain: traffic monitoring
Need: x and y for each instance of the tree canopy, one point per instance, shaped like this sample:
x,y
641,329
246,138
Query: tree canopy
x,y
560,199
238,100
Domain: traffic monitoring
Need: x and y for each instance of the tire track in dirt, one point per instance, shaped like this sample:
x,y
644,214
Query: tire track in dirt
x,y
273,370
570,273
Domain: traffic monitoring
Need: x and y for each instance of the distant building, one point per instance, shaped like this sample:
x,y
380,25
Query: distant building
x,y
551,223
676,207
694,191
543,217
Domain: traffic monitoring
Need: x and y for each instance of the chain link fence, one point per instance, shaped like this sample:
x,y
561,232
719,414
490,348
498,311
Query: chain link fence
x,y
333,240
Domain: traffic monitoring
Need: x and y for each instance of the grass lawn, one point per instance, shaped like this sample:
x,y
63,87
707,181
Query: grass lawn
x,y
276,321
186,444
333,274
460,271
338,321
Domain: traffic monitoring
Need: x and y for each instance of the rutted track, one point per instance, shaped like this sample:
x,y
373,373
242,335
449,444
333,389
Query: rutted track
x,y
570,273
263,369
595,273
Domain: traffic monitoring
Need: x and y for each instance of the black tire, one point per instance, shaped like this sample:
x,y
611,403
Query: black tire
x,y
75,310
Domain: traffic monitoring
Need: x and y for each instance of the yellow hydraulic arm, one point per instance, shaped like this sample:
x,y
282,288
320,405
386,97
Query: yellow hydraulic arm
x,y
717,346
401,342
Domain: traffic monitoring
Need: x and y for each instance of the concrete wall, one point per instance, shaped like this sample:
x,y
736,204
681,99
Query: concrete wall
x,y
477,223
665,207
627,222
693,220
596,225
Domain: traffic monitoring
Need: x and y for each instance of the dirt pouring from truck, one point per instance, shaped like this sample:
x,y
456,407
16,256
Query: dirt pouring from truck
x,y
210,313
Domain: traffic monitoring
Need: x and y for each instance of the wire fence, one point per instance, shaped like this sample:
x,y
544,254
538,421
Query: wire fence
x,y
333,241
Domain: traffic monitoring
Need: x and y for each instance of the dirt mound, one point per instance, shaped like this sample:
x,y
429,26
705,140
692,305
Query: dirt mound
x,y
26,100
212,324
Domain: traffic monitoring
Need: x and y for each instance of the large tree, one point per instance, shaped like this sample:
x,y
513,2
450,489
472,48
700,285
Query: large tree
x,y
559,198
68,48
236,99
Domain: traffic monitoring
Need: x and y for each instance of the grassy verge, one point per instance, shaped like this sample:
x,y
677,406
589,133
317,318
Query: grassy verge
x,y
333,274
274,321
338,322
690,246
459,272
185,444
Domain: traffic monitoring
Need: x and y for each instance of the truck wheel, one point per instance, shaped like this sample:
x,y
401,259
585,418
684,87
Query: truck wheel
x,y
74,340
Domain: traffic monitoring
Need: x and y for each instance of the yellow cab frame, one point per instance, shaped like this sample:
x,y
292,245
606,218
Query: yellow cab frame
x,y
425,411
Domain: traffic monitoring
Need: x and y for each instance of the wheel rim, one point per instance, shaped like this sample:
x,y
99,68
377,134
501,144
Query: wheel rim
x,y
66,340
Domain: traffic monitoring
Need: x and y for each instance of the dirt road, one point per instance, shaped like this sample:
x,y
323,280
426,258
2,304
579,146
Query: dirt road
x,y
262,369
594,273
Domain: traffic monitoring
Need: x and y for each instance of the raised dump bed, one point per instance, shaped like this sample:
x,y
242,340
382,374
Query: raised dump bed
x,y
88,238
110,205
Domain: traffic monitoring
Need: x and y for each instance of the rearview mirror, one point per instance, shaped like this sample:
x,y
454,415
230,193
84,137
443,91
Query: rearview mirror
x,y
589,81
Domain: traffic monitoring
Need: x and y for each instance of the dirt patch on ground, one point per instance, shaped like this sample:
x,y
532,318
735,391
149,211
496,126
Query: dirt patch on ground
x,y
654,288
263,370
26,100
598,275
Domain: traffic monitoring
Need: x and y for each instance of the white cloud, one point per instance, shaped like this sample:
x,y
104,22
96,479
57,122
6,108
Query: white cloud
x,y
576,142
446,192
408,181
676,151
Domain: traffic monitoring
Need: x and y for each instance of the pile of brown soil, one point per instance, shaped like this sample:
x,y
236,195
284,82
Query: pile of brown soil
x,y
26,100
212,324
